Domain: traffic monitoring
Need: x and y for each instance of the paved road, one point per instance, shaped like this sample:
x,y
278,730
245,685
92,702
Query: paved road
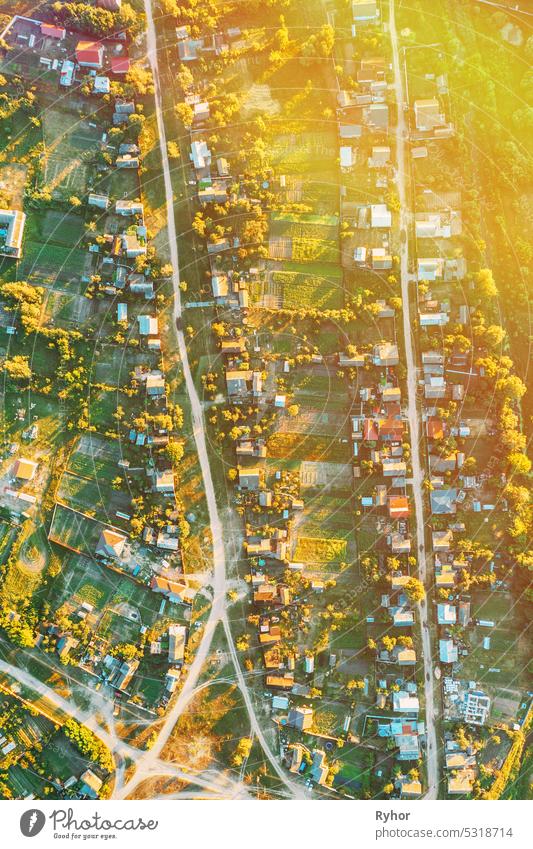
x,y
218,612
412,414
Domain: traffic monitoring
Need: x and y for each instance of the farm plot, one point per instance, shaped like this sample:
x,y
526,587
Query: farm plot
x,y
85,485
328,517
320,551
316,287
498,648
62,227
66,309
325,475
74,530
304,238
113,365
92,497
117,628
50,263
315,422
310,158
295,446
70,144
121,606
95,457
83,580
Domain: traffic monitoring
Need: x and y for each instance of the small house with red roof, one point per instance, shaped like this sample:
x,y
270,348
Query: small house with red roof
x,y
89,54
398,507
120,64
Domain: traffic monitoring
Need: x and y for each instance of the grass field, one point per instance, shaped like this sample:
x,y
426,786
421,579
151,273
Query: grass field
x,y
304,225
95,457
55,226
506,662
320,550
93,497
50,262
297,446
117,628
113,364
356,770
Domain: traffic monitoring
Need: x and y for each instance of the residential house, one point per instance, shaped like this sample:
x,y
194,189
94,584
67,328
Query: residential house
x,y
91,784
155,384
127,161
404,702
428,114
129,207
120,65
124,674
177,640
385,354
163,481
380,157
301,718
443,501
65,644
111,544
398,506
215,192
201,159
376,116
50,31
24,470
364,11
319,769
101,85
100,201
89,54
442,540
446,614
249,478
12,223
475,707
238,384
380,215
448,651
66,75
173,592
461,783
148,325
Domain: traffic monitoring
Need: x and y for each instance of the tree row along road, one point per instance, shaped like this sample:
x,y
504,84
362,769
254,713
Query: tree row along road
x,y
412,413
218,612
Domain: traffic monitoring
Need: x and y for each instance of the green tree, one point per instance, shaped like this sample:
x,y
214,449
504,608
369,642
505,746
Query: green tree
x,y
415,590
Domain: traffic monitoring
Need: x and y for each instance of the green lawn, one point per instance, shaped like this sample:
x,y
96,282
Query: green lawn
x,y
50,262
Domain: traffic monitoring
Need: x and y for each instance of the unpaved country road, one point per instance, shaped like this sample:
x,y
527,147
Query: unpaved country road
x,y
412,415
